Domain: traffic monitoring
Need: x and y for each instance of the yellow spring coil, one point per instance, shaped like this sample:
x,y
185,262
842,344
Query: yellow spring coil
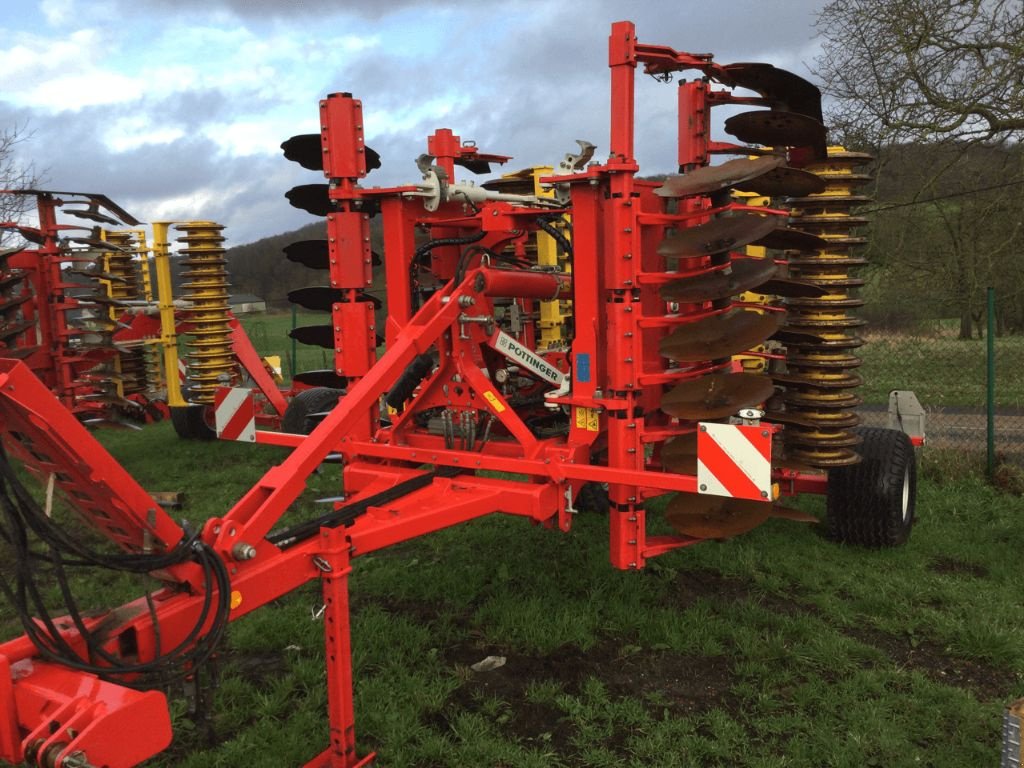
x,y
820,372
211,361
123,282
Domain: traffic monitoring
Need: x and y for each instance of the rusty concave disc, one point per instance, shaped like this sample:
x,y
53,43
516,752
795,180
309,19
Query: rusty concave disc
x,y
740,276
716,395
775,129
718,336
790,288
680,454
784,182
715,517
789,239
719,234
712,178
779,86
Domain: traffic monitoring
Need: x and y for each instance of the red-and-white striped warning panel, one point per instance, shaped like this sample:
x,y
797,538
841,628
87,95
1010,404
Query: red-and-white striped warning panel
x,y
734,460
234,413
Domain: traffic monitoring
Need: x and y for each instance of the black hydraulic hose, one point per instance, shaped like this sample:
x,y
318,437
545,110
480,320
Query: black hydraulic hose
x,y
346,514
417,371
23,514
559,236
430,245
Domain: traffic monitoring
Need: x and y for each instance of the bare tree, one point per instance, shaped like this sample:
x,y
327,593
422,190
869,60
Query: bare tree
x,y
942,82
924,70
14,174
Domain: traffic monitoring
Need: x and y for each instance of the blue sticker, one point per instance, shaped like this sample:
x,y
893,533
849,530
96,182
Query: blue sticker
x,y
582,368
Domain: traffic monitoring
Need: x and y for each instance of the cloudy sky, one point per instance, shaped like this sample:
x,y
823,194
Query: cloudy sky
x,y
176,108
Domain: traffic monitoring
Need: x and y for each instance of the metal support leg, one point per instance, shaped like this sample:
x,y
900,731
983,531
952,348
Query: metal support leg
x,y
333,562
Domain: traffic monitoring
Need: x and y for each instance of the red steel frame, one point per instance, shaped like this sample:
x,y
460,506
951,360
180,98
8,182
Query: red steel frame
x,y
617,225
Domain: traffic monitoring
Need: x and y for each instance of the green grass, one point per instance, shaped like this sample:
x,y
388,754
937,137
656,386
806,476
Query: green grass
x,y
778,648
942,370
268,332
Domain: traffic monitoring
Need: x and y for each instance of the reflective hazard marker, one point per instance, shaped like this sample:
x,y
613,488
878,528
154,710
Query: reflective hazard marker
x,y
734,460
234,413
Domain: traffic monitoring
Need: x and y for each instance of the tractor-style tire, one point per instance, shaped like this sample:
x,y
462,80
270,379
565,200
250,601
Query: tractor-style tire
x,y
593,497
193,422
871,504
296,419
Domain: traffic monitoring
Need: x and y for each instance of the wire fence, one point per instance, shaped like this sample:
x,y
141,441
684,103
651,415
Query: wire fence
x,y
950,377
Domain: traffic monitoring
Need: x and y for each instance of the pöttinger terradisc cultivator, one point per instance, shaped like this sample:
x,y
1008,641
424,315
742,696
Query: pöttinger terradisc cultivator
x,y
583,330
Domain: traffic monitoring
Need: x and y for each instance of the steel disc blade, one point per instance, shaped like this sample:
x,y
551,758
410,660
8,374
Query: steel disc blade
x,y
715,517
796,465
315,335
315,254
96,244
680,454
712,178
91,215
473,166
31,234
305,149
11,331
792,336
718,336
776,129
9,303
789,239
789,418
316,297
788,513
789,288
514,185
309,253
784,182
719,234
740,276
372,158
323,298
716,395
98,275
781,87
312,198
321,378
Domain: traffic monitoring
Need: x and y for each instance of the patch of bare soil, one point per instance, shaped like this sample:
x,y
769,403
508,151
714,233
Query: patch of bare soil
x,y
950,565
986,683
665,680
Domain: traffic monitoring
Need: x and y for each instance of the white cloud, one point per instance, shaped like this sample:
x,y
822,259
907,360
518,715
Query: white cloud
x,y
89,89
34,58
132,132
57,12
249,137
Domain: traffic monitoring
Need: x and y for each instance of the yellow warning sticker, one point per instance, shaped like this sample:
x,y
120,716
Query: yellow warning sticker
x,y
588,419
492,398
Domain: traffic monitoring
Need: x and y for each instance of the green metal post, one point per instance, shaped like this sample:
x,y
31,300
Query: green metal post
x,y
991,393
295,322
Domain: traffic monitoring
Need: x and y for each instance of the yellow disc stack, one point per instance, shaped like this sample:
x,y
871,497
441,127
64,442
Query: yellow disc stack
x,y
820,363
122,280
211,361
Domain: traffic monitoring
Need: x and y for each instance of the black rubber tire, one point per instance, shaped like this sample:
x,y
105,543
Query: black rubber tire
x,y
192,422
593,497
872,504
296,419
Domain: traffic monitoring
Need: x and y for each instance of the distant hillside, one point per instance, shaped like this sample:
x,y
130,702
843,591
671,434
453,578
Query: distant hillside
x,y
261,268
